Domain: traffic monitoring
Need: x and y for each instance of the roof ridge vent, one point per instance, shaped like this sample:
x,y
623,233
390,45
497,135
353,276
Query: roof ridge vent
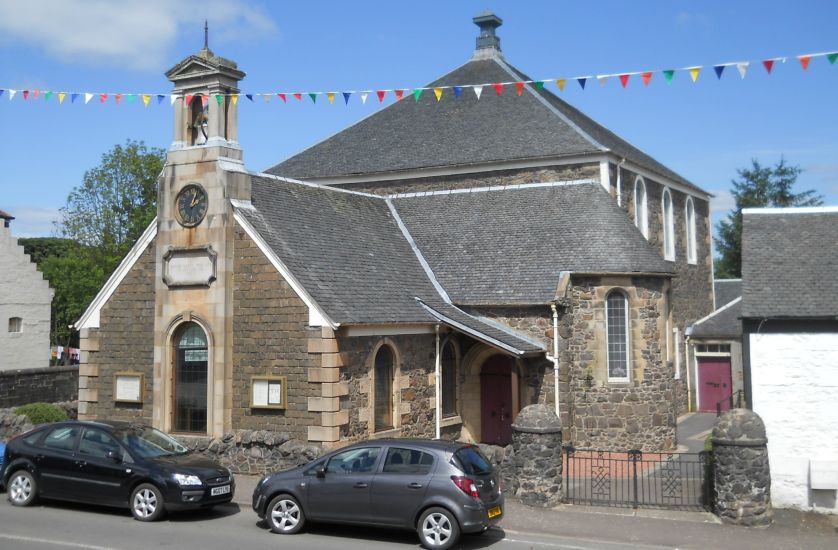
x,y
488,42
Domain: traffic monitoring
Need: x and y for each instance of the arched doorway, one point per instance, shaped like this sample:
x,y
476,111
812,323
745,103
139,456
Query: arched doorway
x,y
190,377
497,400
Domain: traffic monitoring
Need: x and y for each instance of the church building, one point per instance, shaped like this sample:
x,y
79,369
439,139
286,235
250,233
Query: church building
x,y
426,272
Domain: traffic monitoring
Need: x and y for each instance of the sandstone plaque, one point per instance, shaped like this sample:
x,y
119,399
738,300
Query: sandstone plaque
x,y
189,267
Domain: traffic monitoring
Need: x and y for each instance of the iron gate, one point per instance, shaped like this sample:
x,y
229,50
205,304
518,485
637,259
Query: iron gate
x,y
632,478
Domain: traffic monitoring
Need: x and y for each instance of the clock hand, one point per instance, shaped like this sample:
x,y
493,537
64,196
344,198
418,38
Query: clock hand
x,y
194,197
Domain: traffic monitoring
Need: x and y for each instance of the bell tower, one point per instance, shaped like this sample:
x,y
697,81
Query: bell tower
x,y
194,255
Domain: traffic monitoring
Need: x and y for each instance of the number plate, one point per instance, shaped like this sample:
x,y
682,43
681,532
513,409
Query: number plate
x,y
223,490
494,512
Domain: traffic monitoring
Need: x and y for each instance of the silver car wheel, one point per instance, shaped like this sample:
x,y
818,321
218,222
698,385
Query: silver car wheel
x,y
437,529
20,489
145,503
285,515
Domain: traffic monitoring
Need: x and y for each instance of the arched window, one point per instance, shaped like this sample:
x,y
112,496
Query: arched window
x,y
198,121
641,218
191,372
668,226
617,328
384,374
449,379
692,256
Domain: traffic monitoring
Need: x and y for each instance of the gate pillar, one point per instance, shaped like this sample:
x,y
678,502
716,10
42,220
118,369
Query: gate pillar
x,y
742,476
537,462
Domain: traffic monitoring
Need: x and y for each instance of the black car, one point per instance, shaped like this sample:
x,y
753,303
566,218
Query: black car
x,y
438,488
113,464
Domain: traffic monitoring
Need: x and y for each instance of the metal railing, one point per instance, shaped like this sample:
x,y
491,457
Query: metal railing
x,y
740,398
632,478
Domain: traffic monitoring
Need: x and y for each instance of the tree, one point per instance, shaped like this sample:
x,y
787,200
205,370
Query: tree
x,y
102,219
758,186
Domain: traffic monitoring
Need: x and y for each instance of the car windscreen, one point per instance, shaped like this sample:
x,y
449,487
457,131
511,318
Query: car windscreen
x,y
147,442
472,461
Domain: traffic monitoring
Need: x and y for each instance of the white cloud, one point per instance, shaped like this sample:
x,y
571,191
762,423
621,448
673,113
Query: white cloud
x,y
137,35
33,222
722,202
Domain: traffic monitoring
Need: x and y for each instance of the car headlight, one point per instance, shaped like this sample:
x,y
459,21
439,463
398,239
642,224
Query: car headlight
x,y
186,480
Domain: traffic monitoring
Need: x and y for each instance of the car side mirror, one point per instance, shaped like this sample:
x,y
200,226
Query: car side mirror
x,y
321,472
115,456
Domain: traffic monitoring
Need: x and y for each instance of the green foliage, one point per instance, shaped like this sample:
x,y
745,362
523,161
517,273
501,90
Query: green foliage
x,y
757,187
708,443
40,248
42,413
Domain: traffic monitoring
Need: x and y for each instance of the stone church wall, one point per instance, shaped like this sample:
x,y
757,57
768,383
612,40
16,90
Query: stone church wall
x,y
125,342
270,337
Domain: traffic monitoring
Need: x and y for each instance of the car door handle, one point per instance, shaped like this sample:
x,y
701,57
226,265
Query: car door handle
x,y
361,485
414,486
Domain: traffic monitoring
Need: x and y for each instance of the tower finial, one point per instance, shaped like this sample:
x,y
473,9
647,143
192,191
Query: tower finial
x,y
206,35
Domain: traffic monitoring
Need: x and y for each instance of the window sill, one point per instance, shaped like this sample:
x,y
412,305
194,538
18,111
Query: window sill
x,y
384,434
451,421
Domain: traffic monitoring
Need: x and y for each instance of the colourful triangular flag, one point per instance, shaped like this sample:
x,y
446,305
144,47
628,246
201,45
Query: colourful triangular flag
x,y
73,97
364,96
804,61
146,99
582,80
118,98
519,88
399,94
668,74
457,91
266,97
87,98
61,96
561,83
417,93
477,91
603,78
131,97
438,93
103,98
188,99
768,64
498,86
235,99
719,70
47,95
25,95
1,92
172,99
313,96
742,68
160,98
204,100
539,84
624,79
331,97
298,95
380,94
249,96
832,57
283,97
694,73
346,97
35,94
647,76
12,94
219,98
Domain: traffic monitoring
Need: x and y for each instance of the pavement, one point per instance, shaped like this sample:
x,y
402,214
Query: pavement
x,y
653,528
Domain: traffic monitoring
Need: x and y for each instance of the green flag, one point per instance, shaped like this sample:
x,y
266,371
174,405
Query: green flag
x,y
668,74
47,95
219,98
131,97
832,56
539,84
313,97
417,93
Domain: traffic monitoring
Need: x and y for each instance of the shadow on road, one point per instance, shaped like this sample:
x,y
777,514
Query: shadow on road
x,y
385,535
220,511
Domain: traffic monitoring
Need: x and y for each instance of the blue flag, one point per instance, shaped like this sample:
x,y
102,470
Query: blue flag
x,y
581,82
457,91
346,97
719,70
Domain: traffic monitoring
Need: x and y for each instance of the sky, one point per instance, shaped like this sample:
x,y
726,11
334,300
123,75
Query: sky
x,y
704,130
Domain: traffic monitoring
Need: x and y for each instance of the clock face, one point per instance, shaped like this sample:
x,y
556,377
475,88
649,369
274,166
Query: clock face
x,y
191,205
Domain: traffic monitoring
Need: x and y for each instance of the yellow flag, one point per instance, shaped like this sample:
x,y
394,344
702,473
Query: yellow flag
x,y
331,96
694,73
560,83
235,98
146,99
438,93
61,96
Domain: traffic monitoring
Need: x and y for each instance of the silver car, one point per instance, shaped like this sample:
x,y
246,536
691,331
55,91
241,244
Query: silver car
x,y
439,488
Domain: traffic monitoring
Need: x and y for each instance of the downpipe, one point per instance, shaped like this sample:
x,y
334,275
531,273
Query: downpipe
x,y
555,358
438,396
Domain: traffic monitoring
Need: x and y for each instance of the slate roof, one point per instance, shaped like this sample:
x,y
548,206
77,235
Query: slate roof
x,y
726,290
508,246
461,132
789,263
349,254
725,322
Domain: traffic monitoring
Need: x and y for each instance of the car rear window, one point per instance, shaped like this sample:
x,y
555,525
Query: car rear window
x,y
473,462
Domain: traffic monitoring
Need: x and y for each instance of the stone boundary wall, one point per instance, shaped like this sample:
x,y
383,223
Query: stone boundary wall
x,y
48,384
254,452
12,424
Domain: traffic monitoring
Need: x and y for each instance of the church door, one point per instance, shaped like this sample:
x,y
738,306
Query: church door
x,y
190,380
496,400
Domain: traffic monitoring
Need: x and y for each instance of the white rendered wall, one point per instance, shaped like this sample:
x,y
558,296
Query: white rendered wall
x,y
26,294
794,380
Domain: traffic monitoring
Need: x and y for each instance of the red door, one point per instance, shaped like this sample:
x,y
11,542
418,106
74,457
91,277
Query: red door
x,y
714,383
496,400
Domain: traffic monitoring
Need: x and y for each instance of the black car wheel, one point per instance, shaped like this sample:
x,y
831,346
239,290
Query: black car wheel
x,y
22,488
438,529
285,516
147,503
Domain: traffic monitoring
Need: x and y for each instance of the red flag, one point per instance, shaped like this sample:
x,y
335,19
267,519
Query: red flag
x,y
204,100
118,98
188,99
624,79
519,87
647,76
35,94
282,97
103,98
804,61
768,64
298,95
25,94
380,94
399,94
498,87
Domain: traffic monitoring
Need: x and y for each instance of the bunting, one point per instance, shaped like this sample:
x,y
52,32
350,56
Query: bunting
x,y
770,64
